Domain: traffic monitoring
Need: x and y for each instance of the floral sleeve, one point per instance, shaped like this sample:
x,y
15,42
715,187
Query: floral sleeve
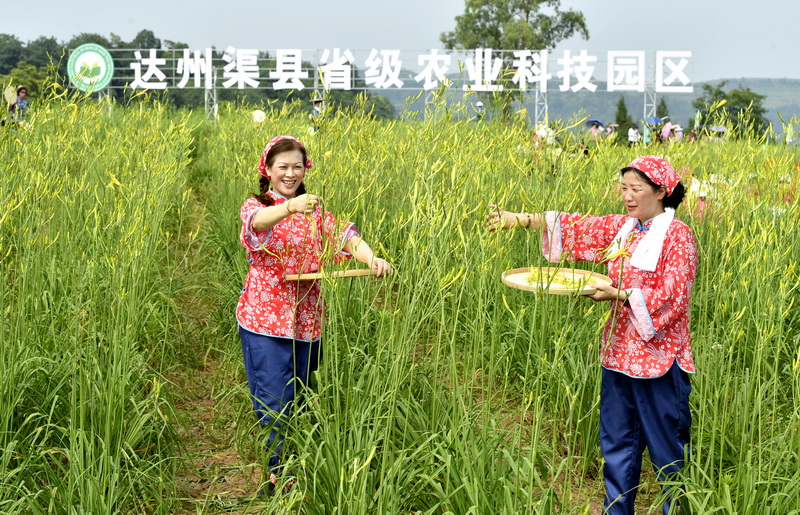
x,y
578,237
250,238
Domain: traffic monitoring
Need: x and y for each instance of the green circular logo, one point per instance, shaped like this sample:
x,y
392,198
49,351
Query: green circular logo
x,y
90,67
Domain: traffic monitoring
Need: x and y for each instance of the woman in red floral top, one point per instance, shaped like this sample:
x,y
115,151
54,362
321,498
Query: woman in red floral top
x,y
285,231
646,353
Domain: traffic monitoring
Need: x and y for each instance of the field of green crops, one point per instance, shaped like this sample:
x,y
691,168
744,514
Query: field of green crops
x,y
441,390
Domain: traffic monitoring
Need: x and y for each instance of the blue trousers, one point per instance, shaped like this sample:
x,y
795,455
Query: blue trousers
x,y
638,413
277,369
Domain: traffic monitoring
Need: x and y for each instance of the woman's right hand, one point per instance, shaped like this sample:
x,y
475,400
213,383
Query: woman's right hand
x,y
499,219
304,203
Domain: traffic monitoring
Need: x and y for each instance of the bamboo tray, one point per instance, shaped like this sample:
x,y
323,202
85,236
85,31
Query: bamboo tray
x,y
518,278
10,95
359,272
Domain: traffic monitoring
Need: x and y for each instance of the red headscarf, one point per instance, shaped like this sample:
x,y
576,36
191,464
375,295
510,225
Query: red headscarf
x,y
262,164
658,170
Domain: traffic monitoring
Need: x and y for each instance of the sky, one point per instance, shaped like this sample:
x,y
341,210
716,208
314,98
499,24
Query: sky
x,y
729,40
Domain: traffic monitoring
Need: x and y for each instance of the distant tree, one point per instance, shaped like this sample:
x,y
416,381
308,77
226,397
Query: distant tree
x,y
117,42
42,50
10,52
174,45
36,79
661,110
145,39
514,25
743,106
85,37
380,107
623,118
711,95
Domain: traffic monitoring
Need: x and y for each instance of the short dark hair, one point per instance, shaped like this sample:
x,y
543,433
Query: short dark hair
x,y
672,200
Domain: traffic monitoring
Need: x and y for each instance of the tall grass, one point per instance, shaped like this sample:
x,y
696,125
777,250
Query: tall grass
x,y
87,202
441,390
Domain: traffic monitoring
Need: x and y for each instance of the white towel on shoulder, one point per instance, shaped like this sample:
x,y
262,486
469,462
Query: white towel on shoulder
x,y
646,255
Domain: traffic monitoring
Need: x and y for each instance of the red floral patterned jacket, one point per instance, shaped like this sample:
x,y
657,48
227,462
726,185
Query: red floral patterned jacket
x,y
268,303
646,334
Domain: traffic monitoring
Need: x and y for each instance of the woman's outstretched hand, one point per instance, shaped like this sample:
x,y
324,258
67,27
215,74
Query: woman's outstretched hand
x,y
499,219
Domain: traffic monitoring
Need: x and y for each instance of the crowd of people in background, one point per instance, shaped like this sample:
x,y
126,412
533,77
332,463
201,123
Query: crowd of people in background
x,y
663,132
554,137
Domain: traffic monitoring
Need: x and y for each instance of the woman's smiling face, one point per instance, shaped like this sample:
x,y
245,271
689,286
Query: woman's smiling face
x,y
641,200
287,173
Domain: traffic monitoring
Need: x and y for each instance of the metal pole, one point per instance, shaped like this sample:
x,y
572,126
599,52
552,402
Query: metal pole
x,y
650,92
211,105
541,110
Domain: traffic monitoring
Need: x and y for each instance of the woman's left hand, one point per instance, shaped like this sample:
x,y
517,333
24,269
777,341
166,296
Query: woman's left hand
x,y
381,267
606,292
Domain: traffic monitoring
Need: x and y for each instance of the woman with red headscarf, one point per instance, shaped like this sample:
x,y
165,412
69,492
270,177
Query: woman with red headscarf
x,y
646,353
285,231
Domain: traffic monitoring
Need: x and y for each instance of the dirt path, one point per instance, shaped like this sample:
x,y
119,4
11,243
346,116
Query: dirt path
x,y
213,477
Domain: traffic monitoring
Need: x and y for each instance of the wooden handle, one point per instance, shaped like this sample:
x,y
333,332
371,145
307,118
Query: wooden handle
x,y
360,272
